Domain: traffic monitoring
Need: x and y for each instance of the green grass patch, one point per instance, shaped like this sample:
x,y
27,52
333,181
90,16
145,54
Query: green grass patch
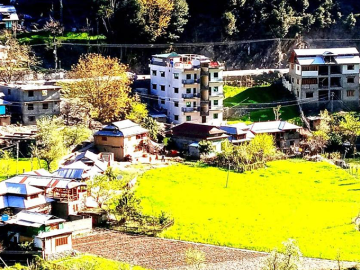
x,y
259,94
313,203
24,165
254,95
45,37
94,263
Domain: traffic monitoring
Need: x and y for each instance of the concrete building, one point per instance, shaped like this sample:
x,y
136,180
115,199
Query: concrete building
x,y
123,138
325,78
188,87
31,101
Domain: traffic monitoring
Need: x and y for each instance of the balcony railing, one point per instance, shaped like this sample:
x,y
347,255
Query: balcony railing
x,y
216,80
189,96
216,108
216,94
190,109
191,81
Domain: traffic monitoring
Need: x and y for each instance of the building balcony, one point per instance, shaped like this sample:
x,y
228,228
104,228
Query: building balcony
x,y
216,94
191,81
190,96
216,108
190,109
216,80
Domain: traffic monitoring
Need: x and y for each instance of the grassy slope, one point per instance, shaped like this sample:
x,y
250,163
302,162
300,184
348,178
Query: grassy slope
x,y
24,165
259,94
44,37
311,202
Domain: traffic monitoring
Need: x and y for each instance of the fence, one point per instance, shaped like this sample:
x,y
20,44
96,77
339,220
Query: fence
x,y
79,225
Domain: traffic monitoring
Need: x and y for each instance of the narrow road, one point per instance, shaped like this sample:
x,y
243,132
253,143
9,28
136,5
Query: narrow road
x,y
157,253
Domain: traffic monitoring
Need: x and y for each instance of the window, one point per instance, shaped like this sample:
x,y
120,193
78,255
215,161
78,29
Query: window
x,y
61,241
350,93
44,93
162,73
216,102
188,118
350,79
216,75
298,67
31,118
194,90
9,91
162,87
154,86
154,72
104,139
216,116
176,90
309,94
176,117
309,81
297,81
292,66
163,101
30,93
34,196
30,107
188,104
309,68
188,90
292,80
195,76
216,89
45,106
176,75
351,67
188,76
176,103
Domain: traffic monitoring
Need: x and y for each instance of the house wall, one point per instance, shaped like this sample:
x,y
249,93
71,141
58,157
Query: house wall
x,y
113,145
79,226
5,120
49,247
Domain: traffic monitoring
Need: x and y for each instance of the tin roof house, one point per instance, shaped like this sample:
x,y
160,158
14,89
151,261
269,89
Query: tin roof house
x,y
123,138
20,196
48,232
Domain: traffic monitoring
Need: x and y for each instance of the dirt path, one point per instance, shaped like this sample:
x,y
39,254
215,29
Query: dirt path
x,y
157,253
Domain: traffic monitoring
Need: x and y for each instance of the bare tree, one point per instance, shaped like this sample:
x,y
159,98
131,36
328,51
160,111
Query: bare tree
x,y
56,29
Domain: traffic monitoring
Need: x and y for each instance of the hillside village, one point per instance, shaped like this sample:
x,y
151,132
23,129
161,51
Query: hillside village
x,y
191,163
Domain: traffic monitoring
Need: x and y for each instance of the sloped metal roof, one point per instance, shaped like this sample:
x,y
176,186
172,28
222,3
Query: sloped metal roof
x,y
332,51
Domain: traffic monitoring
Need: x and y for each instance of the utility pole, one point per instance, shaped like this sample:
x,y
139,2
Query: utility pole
x,y
332,101
17,157
227,179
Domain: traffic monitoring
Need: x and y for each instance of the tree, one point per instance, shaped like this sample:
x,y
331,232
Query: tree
x,y
55,140
103,86
350,21
128,206
350,128
286,259
229,21
277,112
178,20
18,60
205,147
153,127
55,28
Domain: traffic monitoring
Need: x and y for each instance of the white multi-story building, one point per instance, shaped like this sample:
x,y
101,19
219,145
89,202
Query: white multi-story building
x,y
188,87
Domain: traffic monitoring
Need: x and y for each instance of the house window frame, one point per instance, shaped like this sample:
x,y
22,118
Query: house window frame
x,y
176,117
154,86
31,93
154,73
188,118
176,90
30,107
307,95
104,138
352,80
176,103
45,106
162,74
350,67
216,116
162,87
61,241
350,93
176,76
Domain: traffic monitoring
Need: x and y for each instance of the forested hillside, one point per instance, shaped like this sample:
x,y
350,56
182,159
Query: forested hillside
x,y
177,21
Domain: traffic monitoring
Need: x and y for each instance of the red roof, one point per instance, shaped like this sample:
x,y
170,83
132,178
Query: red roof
x,y
194,130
